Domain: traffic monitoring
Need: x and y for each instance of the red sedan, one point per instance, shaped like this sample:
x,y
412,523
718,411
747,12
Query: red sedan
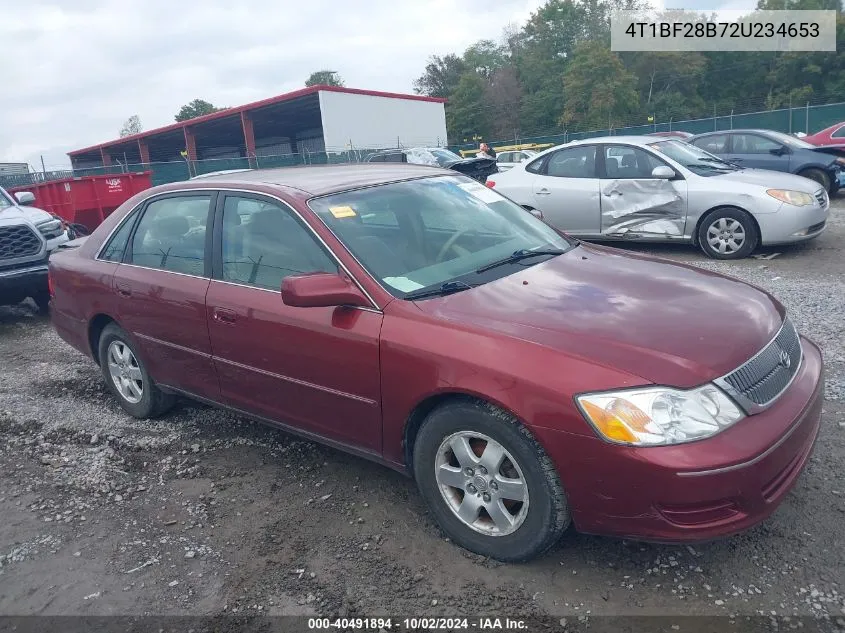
x,y
414,317
830,136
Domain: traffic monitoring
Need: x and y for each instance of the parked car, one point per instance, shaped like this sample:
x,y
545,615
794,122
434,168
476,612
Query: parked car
x,y
506,160
765,149
27,237
476,168
833,136
414,317
641,188
672,134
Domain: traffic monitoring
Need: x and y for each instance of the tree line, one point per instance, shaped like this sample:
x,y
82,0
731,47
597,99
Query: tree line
x,y
557,73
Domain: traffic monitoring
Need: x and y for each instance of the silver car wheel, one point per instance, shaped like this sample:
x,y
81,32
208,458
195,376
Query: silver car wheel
x,y
726,235
125,372
481,483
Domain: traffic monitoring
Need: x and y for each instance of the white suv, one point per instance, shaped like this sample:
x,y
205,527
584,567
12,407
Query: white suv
x,y
27,237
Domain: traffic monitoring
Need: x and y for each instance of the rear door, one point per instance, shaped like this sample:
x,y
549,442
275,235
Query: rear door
x,y
316,369
758,151
566,190
716,144
634,201
161,286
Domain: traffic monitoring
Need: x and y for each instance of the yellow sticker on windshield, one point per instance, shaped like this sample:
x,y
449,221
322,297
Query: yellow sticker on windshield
x,y
342,212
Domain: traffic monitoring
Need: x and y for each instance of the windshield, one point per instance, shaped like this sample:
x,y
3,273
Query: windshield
x,y
424,233
792,141
693,158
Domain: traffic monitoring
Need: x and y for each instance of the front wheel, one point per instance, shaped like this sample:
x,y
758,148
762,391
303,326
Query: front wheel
x,y
727,233
819,176
488,483
127,377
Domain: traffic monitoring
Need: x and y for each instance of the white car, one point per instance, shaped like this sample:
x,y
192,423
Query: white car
x,y
506,160
642,188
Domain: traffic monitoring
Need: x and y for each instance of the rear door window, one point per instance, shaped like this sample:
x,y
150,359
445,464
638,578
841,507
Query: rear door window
x,y
715,144
573,162
171,235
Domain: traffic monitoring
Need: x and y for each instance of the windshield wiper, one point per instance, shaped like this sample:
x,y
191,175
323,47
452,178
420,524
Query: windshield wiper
x,y
723,162
445,288
519,255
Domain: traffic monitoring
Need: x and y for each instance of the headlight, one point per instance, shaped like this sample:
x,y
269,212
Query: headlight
x,y
50,228
797,198
653,416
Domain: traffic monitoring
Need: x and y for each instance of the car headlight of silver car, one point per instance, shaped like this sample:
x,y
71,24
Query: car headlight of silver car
x,y
50,228
655,416
796,198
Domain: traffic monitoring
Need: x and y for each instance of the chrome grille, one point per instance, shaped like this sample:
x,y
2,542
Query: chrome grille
x,y
763,378
821,198
18,241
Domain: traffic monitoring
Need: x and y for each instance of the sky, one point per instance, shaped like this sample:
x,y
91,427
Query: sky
x,y
75,70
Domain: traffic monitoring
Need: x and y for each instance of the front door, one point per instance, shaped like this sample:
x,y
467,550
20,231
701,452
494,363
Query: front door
x,y
758,152
316,369
635,202
161,287
566,190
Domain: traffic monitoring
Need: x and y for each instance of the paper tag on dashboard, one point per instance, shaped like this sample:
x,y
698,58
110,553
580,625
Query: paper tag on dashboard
x,y
485,194
342,212
403,284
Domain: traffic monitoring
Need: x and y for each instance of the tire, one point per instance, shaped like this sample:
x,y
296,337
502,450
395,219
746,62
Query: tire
x,y
725,226
42,301
143,401
819,176
525,528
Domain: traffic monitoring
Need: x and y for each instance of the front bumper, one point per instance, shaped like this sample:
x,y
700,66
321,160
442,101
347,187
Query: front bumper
x,y
793,224
696,491
19,282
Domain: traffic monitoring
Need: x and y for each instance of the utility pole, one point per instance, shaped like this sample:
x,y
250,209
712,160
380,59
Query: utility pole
x,y
43,168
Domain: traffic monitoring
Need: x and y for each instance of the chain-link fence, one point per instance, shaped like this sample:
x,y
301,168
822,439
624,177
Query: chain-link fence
x,y
809,119
175,171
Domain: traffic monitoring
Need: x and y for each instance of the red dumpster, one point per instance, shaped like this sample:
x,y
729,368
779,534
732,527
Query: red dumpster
x,y
87,200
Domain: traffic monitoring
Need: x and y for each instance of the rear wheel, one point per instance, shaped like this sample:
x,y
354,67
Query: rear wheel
x,y
819,176
727,233
127,377
488,483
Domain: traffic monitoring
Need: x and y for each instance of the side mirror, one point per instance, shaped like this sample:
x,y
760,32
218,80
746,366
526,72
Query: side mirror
x,y
664,172
779,151
321,290
25,198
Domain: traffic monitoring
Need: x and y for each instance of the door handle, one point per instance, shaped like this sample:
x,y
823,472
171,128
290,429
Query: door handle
x,y
224,316
543,192
124,290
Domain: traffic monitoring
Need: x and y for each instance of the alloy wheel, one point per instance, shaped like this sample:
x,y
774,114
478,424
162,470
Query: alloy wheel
x,y
482,483
125,372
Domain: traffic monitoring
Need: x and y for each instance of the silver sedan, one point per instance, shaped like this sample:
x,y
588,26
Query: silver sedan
x,y
640,188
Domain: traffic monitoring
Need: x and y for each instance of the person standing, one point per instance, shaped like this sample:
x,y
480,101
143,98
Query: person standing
x,y
485,151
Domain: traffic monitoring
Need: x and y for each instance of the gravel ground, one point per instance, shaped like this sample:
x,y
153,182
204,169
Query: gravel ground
x,y
205,513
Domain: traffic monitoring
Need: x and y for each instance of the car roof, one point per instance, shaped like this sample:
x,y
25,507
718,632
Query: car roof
x,y
740,131
625,140
324,179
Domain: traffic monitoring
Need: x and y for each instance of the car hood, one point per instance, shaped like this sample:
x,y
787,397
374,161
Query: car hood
x,y
767,178
32,214
667,323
